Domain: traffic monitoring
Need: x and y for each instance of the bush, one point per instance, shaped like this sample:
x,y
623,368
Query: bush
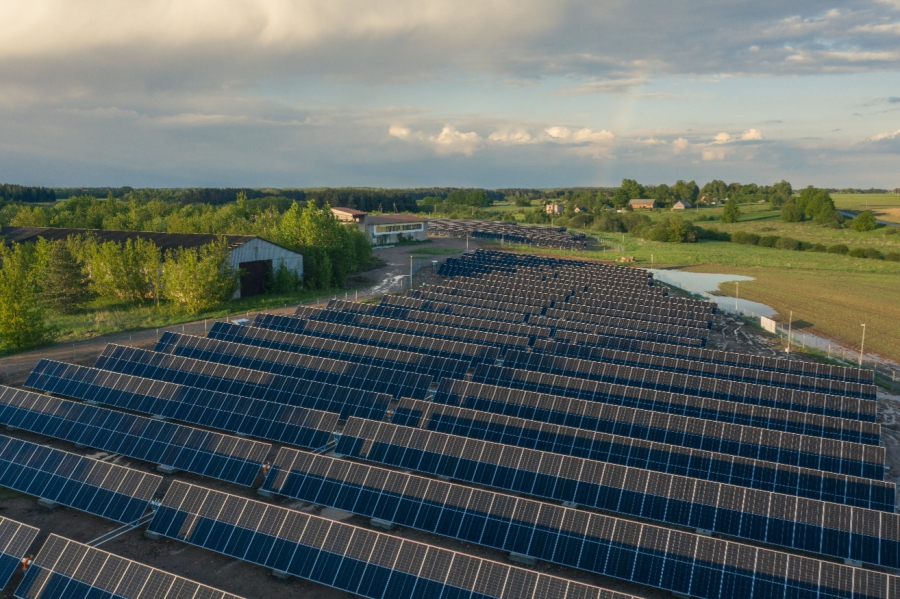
x,y
791,213
818,248
874,254
713,234
805,246
892,231
892,256
744,238
839,248
864,221
581,220
768,241
787,243
732,212
858,253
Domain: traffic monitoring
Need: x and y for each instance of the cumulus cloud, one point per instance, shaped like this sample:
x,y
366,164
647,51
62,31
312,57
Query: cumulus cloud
x,y
751,135
580,136
882,136
722,138
450,140
680,145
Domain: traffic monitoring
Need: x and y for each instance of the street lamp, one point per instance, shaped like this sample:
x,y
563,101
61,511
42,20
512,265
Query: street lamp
x,y
862,345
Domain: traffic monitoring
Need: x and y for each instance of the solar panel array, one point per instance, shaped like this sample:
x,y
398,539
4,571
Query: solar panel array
x,y
521,382
553,237
66,569
346,557
180,447
15,539
107,490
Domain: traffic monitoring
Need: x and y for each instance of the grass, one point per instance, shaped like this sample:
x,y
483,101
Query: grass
x,y
829,304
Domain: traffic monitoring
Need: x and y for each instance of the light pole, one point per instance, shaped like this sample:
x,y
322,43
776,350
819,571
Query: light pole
x,y
862,345
790,326
737,291
410,270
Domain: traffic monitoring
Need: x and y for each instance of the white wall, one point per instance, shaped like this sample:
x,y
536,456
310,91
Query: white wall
x,y
260,249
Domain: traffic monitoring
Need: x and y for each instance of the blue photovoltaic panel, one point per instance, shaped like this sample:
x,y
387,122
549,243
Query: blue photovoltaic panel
x,y
113,492
243,415
634,422
660,401
353,559
750,514
174,445
233,380
804,452
15,539
435,366
65,569
512,523
395,382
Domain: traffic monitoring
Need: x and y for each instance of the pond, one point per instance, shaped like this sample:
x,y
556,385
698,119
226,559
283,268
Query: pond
x,y
705,284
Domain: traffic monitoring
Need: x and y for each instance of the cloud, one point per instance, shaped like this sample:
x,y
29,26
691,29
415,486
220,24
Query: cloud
x,y
449,141
680,145
751,135
722,138
580,136
882,136
611,86
714,153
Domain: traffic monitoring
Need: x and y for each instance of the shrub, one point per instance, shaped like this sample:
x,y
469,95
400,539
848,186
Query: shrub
x,y
874,254
768,241
732,212
744,238
858,253
818,248
892,231
791,213
581,220
864,221
805,246
892,256
713,234
839,248
787,243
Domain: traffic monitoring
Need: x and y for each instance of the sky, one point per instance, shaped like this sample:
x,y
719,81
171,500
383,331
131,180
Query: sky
x,y
486,93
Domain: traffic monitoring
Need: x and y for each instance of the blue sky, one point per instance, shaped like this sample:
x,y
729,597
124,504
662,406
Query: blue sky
x,y
490,93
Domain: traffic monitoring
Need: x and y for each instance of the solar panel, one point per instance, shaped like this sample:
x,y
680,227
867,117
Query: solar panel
x,y
435,366
701,368
662,401
292,425
346,557
656,426
244,366
420,503
307,392
15,539
393,382
180,447
113,492
687,384
65,569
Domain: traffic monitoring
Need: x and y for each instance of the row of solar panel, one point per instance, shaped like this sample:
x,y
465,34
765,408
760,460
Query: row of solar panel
x,y
257,418
711,356
554,384
523,526
688,384
716,370
756,425
562,310
853,459
626,328
176,446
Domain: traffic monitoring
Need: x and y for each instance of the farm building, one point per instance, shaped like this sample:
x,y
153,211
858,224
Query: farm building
x,y
681,205
255,256
642,204
386,228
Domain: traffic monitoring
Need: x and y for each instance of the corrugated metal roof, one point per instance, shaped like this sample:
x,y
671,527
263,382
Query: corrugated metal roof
x,y
350,211
164,241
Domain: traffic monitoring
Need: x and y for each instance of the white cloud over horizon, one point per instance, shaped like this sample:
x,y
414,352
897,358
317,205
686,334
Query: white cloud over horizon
x,y
297,92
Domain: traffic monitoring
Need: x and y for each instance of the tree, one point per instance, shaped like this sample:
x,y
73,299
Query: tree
x,y
22,317
199,279
129,271
781,193
732,211
686,192
864,221
633,189
65,287
817,205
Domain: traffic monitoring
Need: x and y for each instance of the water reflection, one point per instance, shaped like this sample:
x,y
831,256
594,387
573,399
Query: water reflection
x,y
704,284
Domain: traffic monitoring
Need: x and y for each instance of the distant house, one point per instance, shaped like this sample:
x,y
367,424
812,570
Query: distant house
x,y
254,256
642,204
349,215
555,208
681,205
